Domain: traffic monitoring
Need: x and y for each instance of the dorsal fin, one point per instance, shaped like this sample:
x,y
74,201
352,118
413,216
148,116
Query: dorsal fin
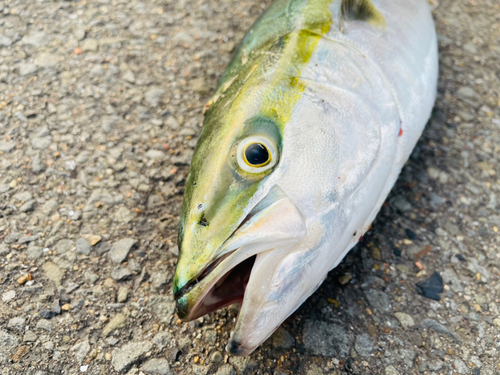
x,y
361,10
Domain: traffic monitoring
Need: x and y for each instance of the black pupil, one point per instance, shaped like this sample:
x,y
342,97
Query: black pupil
x,y
256,154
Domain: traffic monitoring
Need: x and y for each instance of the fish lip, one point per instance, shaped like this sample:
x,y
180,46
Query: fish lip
x,y
195,281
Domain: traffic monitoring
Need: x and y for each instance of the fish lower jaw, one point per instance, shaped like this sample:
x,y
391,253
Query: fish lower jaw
x,y
234,347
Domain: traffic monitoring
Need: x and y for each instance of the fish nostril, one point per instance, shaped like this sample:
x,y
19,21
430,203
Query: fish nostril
x,y
203,221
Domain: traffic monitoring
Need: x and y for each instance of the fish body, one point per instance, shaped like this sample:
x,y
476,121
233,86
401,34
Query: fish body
x,y
304,138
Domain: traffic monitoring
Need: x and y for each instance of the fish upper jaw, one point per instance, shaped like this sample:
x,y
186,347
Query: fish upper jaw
x,y
274,223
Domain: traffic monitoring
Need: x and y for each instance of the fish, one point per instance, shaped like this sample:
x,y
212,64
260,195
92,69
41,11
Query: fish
x,y
302,141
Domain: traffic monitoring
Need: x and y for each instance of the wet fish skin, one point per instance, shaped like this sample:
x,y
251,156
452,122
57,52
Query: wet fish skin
x,y
338,93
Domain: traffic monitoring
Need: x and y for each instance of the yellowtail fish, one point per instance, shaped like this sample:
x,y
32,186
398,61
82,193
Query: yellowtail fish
x,y
304,138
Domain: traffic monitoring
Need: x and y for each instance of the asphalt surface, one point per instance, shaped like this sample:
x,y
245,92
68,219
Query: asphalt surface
x,y
100,106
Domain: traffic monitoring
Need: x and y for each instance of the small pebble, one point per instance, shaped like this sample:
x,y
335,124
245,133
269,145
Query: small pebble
x,y
216,357
29,336
122,294
8,296
22,279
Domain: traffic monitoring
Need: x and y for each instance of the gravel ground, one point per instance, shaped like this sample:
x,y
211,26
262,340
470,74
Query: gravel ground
x,y
100,107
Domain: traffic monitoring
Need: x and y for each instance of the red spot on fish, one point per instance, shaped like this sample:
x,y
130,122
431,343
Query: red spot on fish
x,y
339,178
360,237
400,132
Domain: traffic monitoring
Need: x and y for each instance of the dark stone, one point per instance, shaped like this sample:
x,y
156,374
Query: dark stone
x,y
397,252
411,235
46,313
431,287
483,232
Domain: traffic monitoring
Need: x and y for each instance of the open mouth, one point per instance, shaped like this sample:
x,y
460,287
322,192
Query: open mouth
x,y
212,266
224,281
229,289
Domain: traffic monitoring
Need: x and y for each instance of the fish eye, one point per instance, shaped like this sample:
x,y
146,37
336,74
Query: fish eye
x,y
256,154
